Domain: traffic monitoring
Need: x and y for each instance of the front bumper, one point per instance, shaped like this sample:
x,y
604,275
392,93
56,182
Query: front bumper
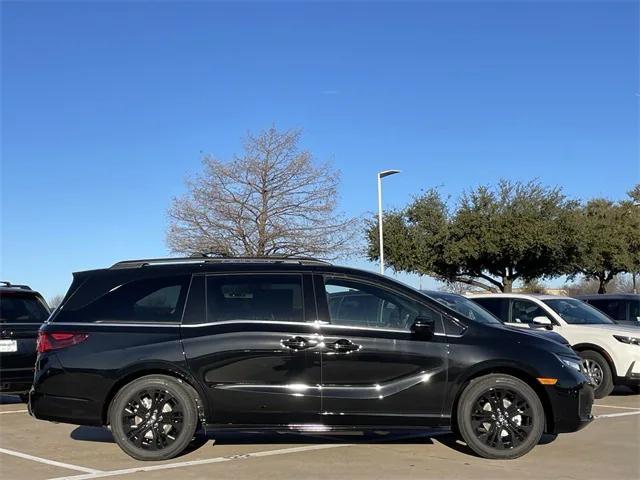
x,y
571,408
632,377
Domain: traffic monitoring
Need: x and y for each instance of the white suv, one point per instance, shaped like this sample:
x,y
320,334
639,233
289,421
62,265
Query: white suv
x,y
610,352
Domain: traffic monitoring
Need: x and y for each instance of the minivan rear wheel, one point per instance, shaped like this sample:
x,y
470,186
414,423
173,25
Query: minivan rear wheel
x,y
153,417
500,416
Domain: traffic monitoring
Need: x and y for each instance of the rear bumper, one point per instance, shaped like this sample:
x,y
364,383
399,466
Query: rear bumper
x,y
63,409
571,408
16,381
50,397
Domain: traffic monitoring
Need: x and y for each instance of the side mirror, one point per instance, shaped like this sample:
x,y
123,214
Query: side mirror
x,y
423,327
544,322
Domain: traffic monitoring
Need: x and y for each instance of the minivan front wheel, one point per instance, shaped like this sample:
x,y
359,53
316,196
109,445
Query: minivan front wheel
x,y
153,417
500,416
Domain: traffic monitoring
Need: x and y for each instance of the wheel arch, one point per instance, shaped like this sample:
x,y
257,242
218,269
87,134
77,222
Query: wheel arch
x,y
139,371
582,347
514,371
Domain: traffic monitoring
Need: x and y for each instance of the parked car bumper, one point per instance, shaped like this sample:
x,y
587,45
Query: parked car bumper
x,y
17,380
570,407
631,378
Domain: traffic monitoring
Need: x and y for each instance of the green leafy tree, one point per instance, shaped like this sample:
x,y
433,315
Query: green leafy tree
x,y
491,237
610,239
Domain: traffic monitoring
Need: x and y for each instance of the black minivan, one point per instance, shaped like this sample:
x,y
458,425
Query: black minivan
x,y
160,348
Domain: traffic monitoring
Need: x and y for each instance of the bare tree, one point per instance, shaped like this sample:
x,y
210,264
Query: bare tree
x,y
461,288
621,283
55,300
273,200
534,285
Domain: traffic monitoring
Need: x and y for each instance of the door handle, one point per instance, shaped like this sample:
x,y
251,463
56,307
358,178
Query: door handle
x,y
295,343
344,346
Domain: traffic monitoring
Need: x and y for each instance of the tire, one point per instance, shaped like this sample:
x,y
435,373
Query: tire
x,y
598,372
500,417
139,412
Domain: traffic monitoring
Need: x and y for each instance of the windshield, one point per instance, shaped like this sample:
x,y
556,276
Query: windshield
x,y
576,312
464,307
22,309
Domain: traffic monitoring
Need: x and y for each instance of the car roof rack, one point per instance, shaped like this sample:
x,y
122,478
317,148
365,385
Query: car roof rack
x,y
208,259
6,284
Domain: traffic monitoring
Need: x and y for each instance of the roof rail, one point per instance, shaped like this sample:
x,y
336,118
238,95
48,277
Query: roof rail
x,y
206,259
4,283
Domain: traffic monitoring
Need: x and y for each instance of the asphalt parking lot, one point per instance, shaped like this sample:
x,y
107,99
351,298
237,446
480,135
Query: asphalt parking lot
x,y
609,448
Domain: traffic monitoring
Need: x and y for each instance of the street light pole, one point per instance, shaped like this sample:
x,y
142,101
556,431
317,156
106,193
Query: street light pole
x,y
381,175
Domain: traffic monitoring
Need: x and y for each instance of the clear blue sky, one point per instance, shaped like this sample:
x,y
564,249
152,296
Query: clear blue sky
x,y
107,106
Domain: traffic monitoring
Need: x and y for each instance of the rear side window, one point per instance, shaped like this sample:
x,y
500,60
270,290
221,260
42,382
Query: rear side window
x,y
497,306
156,300
255,297
616,309
22,309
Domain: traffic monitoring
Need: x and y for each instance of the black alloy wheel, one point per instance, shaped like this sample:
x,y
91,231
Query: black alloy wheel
x,y
154,417
500,416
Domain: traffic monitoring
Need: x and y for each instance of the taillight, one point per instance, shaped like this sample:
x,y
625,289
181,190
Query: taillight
x,y
57,340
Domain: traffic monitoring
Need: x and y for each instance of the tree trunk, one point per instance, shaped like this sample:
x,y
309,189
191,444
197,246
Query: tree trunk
x,y
603,285
507,285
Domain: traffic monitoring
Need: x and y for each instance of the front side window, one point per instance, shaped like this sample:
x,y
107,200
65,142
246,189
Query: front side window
x,y
524,311
576,312
360,304
255,297
465,307
22,309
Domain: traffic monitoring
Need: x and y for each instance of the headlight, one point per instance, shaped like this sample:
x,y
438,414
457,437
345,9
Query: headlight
x,y
627,340
573,363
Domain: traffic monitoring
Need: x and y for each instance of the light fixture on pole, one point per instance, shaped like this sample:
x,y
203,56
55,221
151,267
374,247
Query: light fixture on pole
x,y
381,175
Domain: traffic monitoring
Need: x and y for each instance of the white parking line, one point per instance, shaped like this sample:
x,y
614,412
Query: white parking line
x,y
14,411
166,466
49,462
615,406
623,414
